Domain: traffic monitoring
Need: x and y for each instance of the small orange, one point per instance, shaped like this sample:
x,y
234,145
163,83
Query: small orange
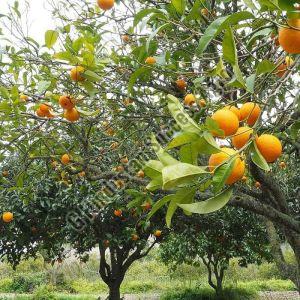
x,y
289,37
189,99
238,170
72,115
269,146
227,121
157,233
282,165
5,173
119,168
118,212
202,103
106,4
257,184
44,108
81,174
150,60
235,110
244,178
40,114
106,243
124,160
134,237
126,38
241,137
65,159
114,145
66,102
120,183
24,98
76,73
250,112
204,12
181,84
128,102
140,174
110,131
7,217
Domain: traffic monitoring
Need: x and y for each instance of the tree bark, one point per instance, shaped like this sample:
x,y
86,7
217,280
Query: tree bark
x,y
114,291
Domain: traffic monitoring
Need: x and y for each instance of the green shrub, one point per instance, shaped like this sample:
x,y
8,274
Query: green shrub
x,y
44,292
209,294
26,283
275,285
5,285
82,286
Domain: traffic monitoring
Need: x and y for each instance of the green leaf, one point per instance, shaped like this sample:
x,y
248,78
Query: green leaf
x,y
51,37
155,184
189,154
158,205
145,12
182,139
153,34
250,4
4,92
269,4
265,66
257,158
43,86
194,13
179,5
184,121
207,145
210,205
250,83
219,70
287,4
153,168
229,48
213,126
91,76
134,77
216,26
180,174
86,113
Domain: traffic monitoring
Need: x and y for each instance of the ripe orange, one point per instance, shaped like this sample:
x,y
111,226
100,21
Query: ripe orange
x,y
5,173
126,38
124,160
157,233
65,159
44,108
76,72
150,60
40,114
235,110
7,217
134,237
289,37
241,137
282,165
140,174
106,4
72,115
227,121
189,99
269,146
238,170
24,98
202,103
118,212
257,184
66,102
181,84
250,112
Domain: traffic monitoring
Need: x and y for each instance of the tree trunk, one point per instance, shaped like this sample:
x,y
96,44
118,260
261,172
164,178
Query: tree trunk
x,y
219,289
114,291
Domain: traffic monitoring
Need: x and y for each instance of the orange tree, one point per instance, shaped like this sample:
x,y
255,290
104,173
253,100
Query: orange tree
x,y
89,97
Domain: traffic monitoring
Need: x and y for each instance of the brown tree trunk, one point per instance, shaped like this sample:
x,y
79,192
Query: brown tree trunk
x,y
114,291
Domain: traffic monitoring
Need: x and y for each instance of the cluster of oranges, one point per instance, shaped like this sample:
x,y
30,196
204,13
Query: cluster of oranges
x,y
228,120
68,104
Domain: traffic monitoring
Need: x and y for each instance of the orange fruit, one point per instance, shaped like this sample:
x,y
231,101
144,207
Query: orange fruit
x,y
72,115
114,145
118,212
181,84
124,160
76,72
5,173
24,98
134,237
244,178
140,174
250,112
235,110
150,60
110,131
44,108
202,103
269,146
282,165
66,102
7,217
189,99
106,4
81,174
119,168
106,243
126,38
65,159
49,115
257,184
227,121
157,233
204,12
289,38
147,206
241,137
238,170
119,183
40,114
281,69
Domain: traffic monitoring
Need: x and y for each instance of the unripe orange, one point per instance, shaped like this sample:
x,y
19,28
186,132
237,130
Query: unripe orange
x,y
227,121
72,115
66,102
269,146
250,112
7,217
204,12
76,73
242,136
106,4
150,60
239,166
65,159
189,99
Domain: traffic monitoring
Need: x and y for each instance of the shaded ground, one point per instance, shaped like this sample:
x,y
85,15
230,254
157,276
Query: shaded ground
x,y
280,296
